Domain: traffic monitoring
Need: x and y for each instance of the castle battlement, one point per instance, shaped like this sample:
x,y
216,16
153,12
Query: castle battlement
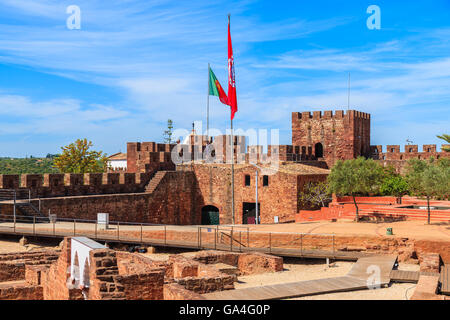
x,y
328,115
408,148
64,184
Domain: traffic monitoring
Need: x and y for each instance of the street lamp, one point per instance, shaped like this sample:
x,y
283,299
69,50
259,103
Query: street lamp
x,y
256,193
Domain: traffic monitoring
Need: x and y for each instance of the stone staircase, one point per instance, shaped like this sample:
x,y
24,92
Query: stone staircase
x,y
154,182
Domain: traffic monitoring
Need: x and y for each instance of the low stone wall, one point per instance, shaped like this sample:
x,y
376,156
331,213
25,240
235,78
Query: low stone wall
x,y
12,265
174,291
256,263
21,292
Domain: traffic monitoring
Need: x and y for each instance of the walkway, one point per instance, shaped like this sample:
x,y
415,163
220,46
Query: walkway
x,y
358,278
317,246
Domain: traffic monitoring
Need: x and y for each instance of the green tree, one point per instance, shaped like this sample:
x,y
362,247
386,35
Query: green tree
x,y
446,138
429,179
355,177
393,184
168,133
77,158
315,194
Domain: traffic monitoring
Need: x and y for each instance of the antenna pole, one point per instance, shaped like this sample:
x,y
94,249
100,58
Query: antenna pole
x,y
348,101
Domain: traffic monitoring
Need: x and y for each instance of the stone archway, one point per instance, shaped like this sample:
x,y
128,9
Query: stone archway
x,y
210,215
318,150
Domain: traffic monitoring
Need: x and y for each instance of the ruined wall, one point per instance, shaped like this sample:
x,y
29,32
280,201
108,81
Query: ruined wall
x,y
341,135
393,157
149,157
279,198
173,201
55,279
69,184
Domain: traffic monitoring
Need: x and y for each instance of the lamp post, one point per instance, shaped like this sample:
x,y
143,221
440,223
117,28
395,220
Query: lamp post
x,y
256,193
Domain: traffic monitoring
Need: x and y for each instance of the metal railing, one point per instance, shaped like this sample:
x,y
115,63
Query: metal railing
x,y
229,238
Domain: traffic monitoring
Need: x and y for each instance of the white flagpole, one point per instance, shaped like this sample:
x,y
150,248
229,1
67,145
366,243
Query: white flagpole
x,y
207,106
232,163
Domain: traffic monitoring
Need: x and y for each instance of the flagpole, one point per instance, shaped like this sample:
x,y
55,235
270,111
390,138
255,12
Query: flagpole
x,y
232,162
207,106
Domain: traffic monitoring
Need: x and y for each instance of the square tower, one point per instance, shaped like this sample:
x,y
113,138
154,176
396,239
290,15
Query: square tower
x,y
332,136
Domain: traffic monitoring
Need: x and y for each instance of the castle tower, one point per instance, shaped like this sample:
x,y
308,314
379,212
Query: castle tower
x,y
330,137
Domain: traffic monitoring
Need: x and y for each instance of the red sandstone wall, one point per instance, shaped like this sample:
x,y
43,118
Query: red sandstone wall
x,y
342,135
279,198
174,201
58,185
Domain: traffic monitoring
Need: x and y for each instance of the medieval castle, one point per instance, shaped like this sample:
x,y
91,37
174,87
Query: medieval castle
x,y
153,189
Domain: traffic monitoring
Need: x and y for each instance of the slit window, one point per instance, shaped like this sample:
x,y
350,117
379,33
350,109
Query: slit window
x,y
265,181
247,180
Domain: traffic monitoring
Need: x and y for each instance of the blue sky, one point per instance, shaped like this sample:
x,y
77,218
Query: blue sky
x,y
135,64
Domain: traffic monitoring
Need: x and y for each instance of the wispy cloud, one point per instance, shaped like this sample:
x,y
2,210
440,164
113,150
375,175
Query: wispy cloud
x,y
154,54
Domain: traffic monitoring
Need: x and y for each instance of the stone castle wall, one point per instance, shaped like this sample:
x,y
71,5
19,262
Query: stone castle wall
x,y
70,184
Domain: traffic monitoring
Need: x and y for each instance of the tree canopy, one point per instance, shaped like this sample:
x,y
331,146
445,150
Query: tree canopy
x,y
77,158
429,178
355,177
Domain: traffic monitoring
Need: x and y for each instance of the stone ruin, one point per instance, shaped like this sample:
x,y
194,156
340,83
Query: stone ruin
x,y
120,275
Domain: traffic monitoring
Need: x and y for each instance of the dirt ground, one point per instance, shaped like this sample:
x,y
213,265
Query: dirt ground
x,y
407,229
302,270
9,246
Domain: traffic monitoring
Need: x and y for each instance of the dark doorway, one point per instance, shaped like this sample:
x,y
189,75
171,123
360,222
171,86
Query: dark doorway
x,y
318,148
249,212
210,215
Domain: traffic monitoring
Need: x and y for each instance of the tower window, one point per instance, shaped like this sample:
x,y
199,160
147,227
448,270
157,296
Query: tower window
x,y
265,181
247,180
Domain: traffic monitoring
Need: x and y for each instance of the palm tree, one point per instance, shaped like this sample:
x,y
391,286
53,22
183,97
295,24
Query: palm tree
x,y
446,138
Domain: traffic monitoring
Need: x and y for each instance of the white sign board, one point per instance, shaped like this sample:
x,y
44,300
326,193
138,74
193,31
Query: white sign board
x,y
275,219
103,219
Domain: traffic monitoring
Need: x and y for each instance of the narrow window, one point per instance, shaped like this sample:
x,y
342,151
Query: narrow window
x,y
247,180
265,181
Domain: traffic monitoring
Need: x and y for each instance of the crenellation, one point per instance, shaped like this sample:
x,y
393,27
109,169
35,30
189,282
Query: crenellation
x,y
53,179
31,181
317,115
411,148
429,148
73,179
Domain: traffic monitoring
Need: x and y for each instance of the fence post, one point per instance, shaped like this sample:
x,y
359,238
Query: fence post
x,y
248,238
231,240
74,226
29,195
14,208
118,231
165,235
240,241
141,233
34,224
270,242
198,237
54,231
14,225
301,244
95,229
333,245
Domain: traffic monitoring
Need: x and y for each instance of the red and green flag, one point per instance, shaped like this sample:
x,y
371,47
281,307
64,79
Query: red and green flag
x,y
215,89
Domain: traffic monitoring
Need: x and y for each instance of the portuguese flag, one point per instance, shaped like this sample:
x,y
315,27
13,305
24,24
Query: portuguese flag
x,y
215,89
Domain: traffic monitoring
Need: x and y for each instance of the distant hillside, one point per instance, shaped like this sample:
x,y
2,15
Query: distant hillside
x,y
27,165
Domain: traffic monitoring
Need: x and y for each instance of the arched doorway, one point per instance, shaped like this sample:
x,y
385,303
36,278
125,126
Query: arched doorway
x,y
318,150
210,215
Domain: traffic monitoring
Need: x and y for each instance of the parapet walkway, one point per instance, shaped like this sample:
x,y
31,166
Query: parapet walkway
x,y
358,278
185,237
